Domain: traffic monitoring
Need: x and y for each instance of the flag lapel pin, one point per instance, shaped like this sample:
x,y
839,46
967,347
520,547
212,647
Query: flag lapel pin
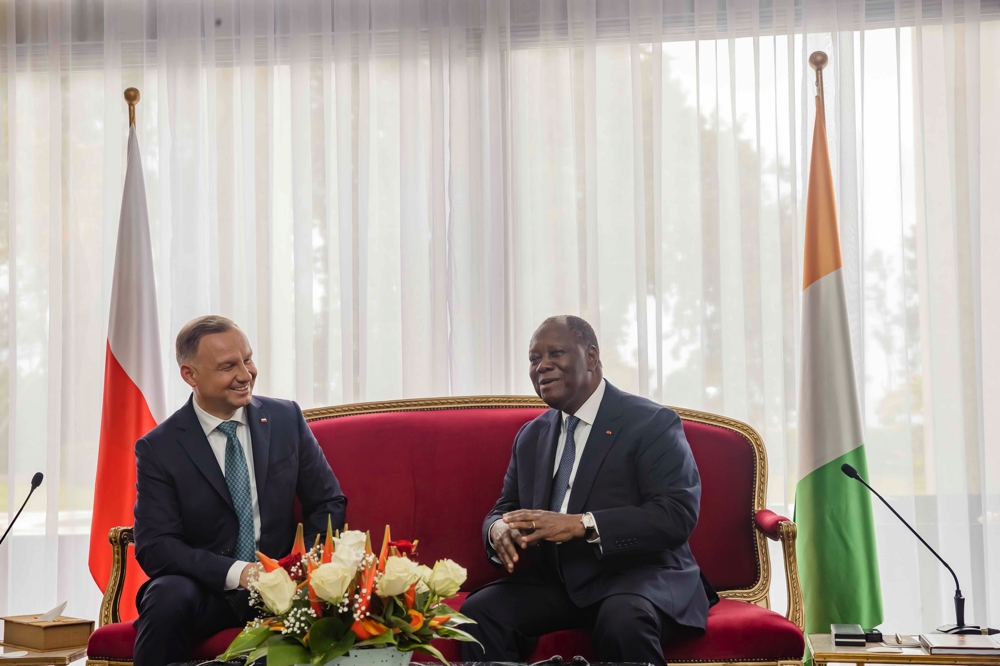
x,y
263,420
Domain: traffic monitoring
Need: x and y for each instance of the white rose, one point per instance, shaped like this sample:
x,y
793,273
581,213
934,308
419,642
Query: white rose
x,y
400,574
330,581
446,578
277,589
348,557
424,572
349,547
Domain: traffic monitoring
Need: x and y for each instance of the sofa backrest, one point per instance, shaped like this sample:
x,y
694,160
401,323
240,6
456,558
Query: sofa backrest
x,y
432,470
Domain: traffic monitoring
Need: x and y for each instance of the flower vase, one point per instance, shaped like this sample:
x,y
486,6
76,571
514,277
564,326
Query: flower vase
x,y
387,656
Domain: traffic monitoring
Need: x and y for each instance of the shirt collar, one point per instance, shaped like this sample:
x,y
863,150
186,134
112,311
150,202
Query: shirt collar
x,y
210,423
588,412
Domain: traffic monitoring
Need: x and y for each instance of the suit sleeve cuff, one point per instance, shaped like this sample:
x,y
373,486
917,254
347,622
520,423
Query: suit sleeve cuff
x,y
233,577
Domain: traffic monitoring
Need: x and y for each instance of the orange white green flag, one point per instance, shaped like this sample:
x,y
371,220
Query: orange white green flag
x,y
838,561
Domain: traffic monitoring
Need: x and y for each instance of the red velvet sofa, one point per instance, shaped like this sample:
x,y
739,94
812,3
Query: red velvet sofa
x,y
433,468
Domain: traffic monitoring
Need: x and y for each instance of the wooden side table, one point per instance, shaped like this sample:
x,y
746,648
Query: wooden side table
x,y
825,652
50,658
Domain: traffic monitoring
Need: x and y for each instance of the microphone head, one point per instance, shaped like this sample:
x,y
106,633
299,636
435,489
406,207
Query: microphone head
x,y
849,471
36,480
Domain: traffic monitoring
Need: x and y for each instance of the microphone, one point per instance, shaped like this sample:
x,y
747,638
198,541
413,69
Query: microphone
x,y
36,481
959,627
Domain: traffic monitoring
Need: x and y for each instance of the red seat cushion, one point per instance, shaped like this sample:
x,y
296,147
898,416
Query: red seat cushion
x,y
116,641
737,631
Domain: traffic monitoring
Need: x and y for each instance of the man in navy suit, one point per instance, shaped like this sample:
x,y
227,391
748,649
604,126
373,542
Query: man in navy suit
x,y
605,488
216,482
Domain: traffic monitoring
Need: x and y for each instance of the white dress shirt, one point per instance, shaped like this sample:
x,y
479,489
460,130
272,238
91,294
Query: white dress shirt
x,y
217,440
587,415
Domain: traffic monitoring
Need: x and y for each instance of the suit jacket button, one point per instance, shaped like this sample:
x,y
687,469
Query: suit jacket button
x,y
225,551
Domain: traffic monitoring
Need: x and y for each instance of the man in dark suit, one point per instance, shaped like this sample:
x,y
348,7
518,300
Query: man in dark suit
x,y
216,482
604,484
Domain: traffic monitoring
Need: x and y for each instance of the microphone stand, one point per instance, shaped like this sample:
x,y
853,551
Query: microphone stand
x,y
33,486
960,627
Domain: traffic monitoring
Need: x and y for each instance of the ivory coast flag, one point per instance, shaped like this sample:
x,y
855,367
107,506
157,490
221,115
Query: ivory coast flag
x,y
837,557
133,380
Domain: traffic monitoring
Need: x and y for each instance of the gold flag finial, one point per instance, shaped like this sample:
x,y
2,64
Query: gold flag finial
x,y
132,98
818,60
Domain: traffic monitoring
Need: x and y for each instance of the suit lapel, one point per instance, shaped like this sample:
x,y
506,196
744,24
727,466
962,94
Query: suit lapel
x,y
192,439
545,459
602,437
260,439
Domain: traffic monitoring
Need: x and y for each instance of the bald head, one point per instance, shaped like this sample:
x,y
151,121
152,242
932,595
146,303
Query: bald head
x,y
565,362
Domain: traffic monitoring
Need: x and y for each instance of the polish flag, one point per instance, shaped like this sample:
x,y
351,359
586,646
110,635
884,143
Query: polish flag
x,y
133,381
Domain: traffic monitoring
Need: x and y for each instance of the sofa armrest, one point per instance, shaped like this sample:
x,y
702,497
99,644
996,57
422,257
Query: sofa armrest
x,y
779,528
767,521
120,538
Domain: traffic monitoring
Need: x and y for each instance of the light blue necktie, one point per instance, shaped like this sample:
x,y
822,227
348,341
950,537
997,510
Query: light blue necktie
x,y
238,480
560,485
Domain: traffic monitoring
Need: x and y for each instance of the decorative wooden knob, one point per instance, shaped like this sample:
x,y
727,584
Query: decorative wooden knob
x,y
131,98
818,60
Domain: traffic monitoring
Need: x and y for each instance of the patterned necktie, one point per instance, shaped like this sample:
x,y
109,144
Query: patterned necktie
x,y
560,485
238,480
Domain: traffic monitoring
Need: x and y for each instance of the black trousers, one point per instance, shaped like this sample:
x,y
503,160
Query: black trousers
x,y
175,612
511,616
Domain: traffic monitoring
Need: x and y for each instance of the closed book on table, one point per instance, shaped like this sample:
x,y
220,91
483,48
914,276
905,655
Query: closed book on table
x,y
848,635
25,631
973,644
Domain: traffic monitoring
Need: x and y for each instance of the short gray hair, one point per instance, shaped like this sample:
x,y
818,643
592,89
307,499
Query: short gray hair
x,y
191,334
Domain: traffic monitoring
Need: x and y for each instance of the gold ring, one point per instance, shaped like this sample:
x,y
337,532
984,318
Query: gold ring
x,y
532,524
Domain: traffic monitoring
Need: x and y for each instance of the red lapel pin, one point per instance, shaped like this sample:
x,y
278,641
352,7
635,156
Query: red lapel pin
x,y
609,432
265,421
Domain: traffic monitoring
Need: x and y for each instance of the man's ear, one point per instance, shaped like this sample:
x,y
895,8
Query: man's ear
x,y
188,374
593,358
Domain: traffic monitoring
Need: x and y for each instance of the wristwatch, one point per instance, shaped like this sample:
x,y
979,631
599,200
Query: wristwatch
x,y
589,526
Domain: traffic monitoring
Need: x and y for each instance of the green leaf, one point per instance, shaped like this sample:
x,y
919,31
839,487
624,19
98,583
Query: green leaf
x,y
287,652
385,638
245,642
401,624
338,649
457,634
429,649
456,617
325,632
258,653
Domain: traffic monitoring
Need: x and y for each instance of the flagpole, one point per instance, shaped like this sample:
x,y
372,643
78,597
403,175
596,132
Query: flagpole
x,y
817,60
132,98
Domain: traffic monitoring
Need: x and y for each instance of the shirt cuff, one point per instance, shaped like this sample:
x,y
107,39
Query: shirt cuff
x,y
597,535
489,537
233,577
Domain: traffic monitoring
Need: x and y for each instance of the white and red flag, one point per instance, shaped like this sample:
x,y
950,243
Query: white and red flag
x,y
133,380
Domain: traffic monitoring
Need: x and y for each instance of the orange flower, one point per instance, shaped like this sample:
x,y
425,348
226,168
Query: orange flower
x,y
365,629
314,602
438,621
416,619
300,543
268,563
410,596
328,545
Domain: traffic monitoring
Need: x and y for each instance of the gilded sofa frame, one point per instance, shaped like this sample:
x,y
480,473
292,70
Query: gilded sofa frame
x,y
121,537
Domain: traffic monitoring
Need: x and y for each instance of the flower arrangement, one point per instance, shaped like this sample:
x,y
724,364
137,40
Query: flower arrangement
x,y
321,603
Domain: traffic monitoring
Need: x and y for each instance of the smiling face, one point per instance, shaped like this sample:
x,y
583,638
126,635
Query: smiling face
x,y
222,373
564,370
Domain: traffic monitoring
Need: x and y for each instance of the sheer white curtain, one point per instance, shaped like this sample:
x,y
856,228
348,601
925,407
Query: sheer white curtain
x,y
389,195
